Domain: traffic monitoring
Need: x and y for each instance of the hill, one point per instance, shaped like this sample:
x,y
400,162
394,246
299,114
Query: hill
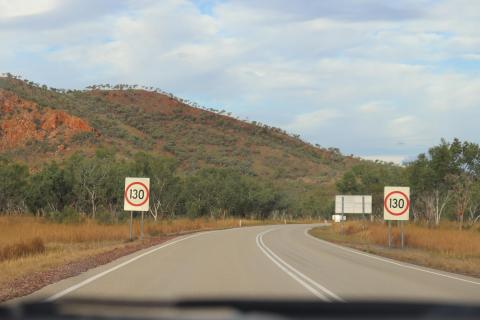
x,y
56,123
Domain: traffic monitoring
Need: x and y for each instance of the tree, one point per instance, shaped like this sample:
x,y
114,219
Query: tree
x,y
13,181
468,160
164,185
474,203
445,175
89,176
48,190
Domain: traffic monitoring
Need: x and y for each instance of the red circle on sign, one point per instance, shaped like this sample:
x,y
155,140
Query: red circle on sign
x,y
146,190
391,212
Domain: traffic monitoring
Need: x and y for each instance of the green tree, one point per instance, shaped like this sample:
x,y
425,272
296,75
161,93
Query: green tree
x,y
444,176
13,182
89,177
164,184
48,190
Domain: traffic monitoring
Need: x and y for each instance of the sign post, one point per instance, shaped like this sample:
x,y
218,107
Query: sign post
x,y
396,207
131,225
136,198
141,228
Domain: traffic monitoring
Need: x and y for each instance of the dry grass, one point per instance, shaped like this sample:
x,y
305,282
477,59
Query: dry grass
x,y
167,227
29,244
52,257
445,247
22,249
15,229
31,235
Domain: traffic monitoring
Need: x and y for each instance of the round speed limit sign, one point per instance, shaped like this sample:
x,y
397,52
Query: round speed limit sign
x,y
137,194
396,203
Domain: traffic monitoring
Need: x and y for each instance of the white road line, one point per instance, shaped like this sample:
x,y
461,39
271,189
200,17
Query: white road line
x,y
302,279
388,260
123,264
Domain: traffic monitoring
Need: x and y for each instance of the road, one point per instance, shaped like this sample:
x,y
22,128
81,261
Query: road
x,y
262,262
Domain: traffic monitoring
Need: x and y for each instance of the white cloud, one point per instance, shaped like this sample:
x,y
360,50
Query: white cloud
x,y
313,120
403,126
374,107
368,77
14,9
472,56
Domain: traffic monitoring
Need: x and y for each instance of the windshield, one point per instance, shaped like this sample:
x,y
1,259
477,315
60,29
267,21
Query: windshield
x,y
321,151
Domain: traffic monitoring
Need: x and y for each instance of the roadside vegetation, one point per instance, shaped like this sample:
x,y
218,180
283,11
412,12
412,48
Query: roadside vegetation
x,y
443,231
444,247
92,188
444,182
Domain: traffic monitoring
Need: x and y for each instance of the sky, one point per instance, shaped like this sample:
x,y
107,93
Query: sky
x,y
378,79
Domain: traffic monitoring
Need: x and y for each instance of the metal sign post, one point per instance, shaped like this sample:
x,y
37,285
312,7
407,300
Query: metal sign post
x,y
401,228
141,227
389,234
131,225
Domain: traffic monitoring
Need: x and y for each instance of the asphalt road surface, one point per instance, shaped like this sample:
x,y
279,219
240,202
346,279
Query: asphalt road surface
x,y
272,262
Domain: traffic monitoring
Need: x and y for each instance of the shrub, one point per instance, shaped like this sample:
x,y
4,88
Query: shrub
x,y
67,215
22,249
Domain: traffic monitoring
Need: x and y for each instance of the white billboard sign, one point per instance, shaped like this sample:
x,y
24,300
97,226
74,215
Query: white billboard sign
x,y
136,194
396,203
353,204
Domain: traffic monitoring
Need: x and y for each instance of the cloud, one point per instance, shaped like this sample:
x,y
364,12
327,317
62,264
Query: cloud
x,y
472,56
312,120
15,9
370,77
374,107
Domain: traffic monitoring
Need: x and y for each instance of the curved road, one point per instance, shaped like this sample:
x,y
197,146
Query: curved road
x,y
262,262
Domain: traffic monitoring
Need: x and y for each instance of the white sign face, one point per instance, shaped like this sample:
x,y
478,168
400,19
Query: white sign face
x,y
396,203
137,194
353,204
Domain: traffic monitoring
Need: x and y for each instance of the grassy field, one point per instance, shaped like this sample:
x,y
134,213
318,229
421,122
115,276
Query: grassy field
x,y
445,247
29,245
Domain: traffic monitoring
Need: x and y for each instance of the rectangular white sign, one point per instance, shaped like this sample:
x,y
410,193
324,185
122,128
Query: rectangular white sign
x,y
396,203
136,196
353,204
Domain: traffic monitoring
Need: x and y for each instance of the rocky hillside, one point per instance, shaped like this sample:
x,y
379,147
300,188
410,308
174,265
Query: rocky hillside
x,y
39,123
24,123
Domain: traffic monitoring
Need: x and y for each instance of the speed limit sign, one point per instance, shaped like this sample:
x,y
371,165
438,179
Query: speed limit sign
x,y
137,194
396,203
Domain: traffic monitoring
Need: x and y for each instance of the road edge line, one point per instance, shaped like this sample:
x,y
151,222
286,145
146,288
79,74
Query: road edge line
x,y
104,273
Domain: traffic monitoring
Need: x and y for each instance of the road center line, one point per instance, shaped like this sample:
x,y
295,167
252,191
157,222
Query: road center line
x,y
302,279
123,264
388,260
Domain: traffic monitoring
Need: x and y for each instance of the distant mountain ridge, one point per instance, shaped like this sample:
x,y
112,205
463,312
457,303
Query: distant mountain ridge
x,y
40,123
